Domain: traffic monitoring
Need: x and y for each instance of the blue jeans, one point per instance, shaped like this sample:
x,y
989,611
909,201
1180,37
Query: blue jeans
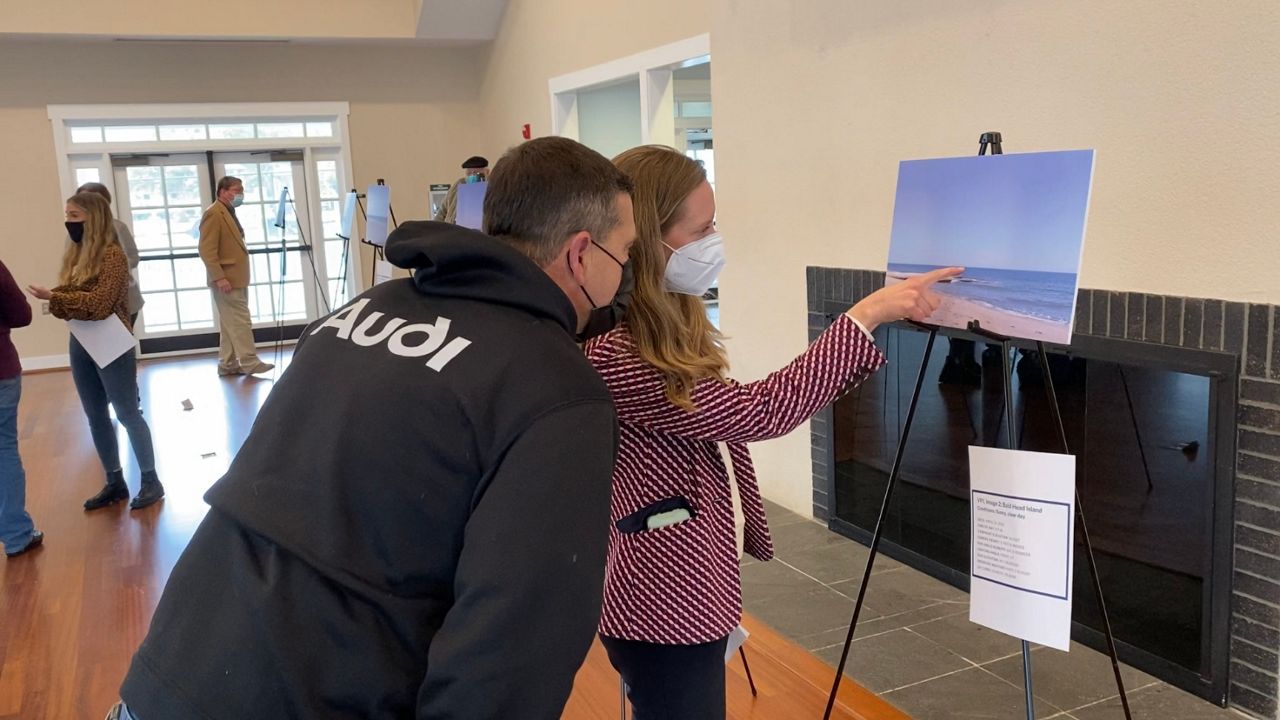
x,y
115,385
15,524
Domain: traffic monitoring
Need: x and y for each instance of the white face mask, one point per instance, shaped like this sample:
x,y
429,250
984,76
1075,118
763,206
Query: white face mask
x,y
693,269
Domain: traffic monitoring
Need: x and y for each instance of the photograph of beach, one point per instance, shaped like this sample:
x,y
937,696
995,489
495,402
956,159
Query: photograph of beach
x,y
1015,223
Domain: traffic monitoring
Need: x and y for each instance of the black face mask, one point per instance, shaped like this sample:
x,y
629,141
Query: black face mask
x,y
75,230
583,287
603,319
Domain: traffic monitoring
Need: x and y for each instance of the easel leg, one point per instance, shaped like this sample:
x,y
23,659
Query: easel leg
x,y
279,308
1026,679
1084,532
879,532
746,666
1005,351
342,279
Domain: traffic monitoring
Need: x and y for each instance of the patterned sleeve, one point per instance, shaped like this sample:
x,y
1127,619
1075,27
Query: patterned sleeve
x,y
100,301
730,411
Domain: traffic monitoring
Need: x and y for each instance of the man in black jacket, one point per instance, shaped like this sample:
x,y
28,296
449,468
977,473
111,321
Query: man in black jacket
x,y
416,525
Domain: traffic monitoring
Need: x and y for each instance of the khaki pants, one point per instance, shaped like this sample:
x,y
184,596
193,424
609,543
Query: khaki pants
x,y
235,329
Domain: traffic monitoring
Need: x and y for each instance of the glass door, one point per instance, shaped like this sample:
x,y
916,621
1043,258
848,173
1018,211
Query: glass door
x,y
282,285
338,263
161,198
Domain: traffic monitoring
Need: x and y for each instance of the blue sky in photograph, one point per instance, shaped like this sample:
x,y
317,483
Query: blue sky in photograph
x,y
1015,212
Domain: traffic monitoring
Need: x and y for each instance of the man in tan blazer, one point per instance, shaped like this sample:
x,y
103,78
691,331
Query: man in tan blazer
x,y
227,261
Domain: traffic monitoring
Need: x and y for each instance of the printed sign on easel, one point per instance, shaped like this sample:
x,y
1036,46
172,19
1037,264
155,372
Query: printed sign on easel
x,y
1022,510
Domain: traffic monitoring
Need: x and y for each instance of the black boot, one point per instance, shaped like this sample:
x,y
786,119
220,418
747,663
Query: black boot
x,y
113,492
152,491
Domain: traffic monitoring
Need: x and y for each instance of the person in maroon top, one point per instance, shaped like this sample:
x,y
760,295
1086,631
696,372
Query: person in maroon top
x,y
17,532
672,590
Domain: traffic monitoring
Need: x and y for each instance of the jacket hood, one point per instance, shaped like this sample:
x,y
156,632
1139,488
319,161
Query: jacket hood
x,y
452,261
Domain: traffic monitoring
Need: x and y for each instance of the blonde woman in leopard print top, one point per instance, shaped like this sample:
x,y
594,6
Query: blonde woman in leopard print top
x,y
93,285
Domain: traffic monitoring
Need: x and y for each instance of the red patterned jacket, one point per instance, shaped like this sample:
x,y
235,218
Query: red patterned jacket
x,y
679,585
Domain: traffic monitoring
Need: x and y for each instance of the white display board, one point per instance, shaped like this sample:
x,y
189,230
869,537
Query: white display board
x,y
1015,223
471,205
378,214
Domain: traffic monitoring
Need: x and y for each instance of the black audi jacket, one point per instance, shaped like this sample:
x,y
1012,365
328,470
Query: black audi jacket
x,y
416,525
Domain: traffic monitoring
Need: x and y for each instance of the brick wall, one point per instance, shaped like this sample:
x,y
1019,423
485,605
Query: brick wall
x,y
1251,332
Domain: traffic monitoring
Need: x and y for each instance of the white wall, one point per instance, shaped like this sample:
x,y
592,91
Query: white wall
x,y
817,101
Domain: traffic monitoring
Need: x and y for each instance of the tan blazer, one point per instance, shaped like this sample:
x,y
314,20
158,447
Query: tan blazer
x,y
448,211
222,247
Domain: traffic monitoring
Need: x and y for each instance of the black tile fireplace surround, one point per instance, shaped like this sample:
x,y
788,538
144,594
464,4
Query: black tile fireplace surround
x,y
1172,407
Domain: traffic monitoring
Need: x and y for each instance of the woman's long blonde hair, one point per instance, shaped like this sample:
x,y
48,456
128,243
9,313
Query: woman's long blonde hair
x,y
670,330
83,260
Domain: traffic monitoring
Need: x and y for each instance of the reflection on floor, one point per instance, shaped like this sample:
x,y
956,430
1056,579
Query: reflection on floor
x,y
916,647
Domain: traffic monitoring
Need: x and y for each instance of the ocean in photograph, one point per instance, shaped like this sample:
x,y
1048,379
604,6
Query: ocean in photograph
x,y
1039,295
1019,303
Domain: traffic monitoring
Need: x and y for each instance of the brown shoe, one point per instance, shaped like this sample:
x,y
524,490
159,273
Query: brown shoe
x,y
261,367
37,539
225,371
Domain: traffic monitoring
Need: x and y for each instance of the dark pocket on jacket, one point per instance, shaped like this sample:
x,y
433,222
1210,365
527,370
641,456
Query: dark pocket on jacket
x,y
635,522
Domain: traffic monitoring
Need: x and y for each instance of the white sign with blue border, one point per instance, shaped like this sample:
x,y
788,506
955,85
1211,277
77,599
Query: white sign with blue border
x,y
1022,540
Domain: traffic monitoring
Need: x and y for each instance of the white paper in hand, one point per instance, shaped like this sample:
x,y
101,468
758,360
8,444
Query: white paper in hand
x,y
736,639
104,340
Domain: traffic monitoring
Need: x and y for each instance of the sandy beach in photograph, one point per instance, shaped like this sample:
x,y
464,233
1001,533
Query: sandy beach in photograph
x,y
957,312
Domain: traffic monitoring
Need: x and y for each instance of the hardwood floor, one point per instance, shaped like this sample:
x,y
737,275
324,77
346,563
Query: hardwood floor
x,y
73,611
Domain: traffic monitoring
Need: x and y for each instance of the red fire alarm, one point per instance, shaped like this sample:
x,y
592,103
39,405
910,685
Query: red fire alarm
x,y
526,132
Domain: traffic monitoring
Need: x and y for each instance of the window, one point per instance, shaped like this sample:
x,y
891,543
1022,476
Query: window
x,y
130,133
697,109
281,130
183,132
263,183
86,134
164,208
235,131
